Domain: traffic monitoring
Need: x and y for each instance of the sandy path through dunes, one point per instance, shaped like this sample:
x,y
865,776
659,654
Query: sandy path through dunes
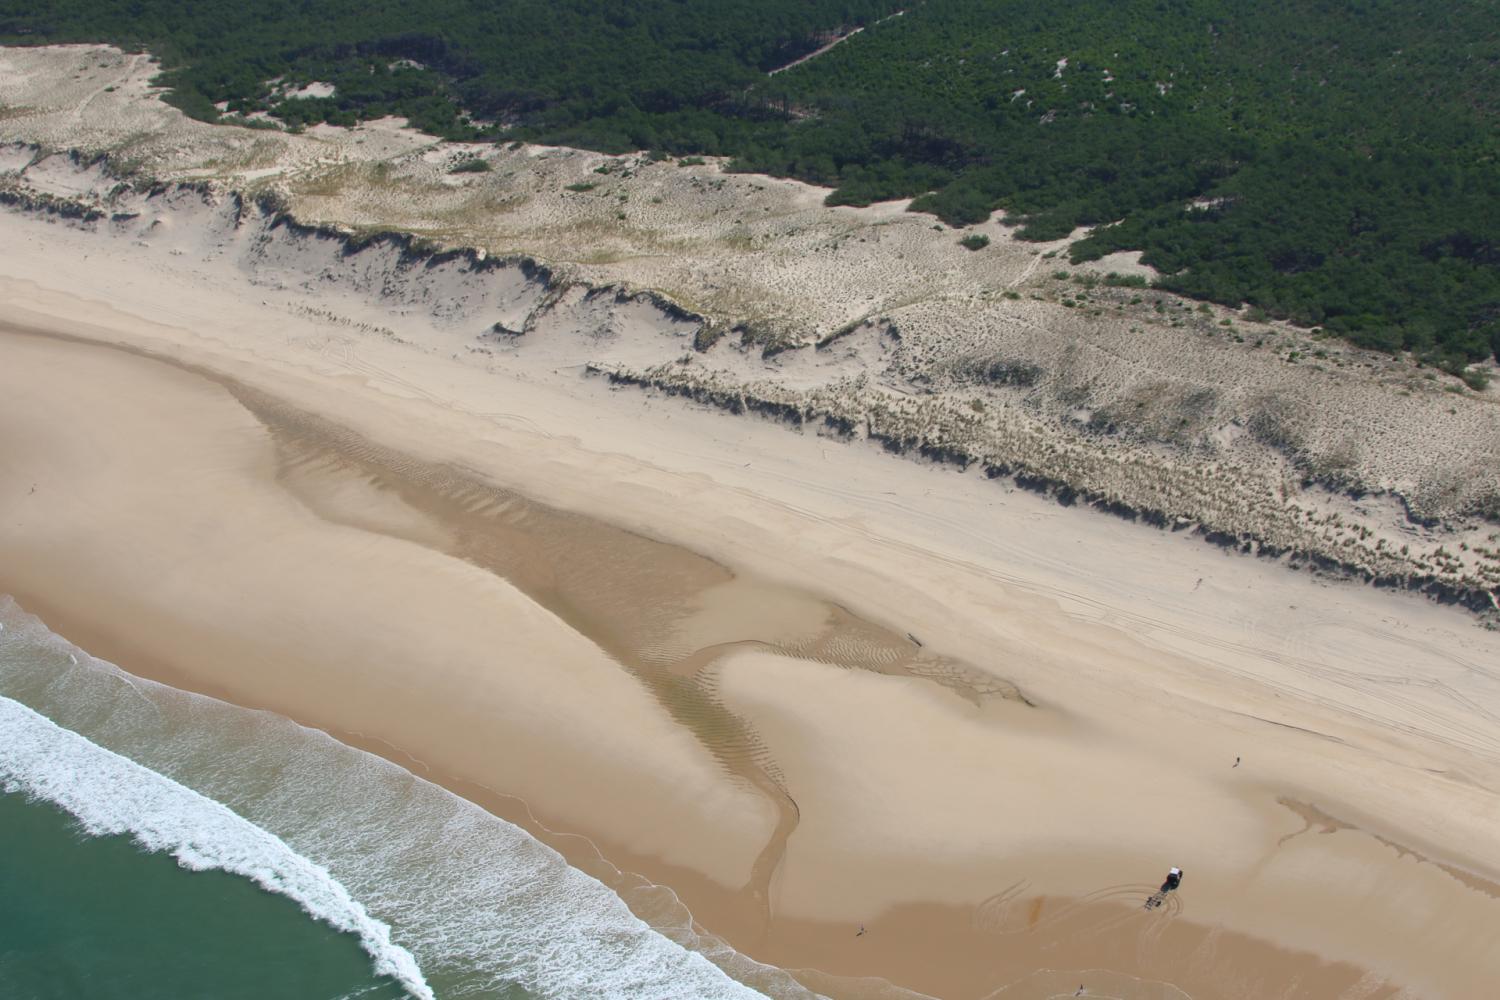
x,y
506,574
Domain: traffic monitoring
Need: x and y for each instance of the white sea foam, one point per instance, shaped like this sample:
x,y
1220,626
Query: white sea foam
x,y
482,906
109,794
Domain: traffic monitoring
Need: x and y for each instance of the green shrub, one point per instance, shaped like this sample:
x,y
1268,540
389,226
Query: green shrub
x,y
1359,197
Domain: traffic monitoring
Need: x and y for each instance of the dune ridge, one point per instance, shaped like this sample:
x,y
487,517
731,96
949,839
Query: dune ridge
x,y
808,686
743,293
405,523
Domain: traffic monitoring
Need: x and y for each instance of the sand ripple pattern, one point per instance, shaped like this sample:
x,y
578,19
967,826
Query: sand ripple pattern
x,y
666,614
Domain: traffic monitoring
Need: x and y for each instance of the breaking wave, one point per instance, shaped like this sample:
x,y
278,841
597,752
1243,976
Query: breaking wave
x,y
109,794
447,898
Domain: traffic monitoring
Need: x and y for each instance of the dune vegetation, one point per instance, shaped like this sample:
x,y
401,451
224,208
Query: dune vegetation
x,y
1331,164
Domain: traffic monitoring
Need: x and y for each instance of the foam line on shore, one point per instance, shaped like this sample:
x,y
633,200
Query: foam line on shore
x,y
478,905
111,795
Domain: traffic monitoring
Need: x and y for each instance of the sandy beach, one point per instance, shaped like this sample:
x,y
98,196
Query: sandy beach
x,y
809,686
749,293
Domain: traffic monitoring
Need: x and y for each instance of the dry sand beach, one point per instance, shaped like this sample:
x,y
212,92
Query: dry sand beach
x,y
890,725
865,323
725,696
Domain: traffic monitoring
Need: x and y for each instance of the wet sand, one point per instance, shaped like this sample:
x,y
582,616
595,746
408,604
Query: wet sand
x,y
801,725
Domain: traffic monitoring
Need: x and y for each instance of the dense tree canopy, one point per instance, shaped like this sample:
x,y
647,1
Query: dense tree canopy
x,y
1335,162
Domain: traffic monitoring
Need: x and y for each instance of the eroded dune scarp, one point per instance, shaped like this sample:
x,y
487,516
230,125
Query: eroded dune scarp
x,y
746,293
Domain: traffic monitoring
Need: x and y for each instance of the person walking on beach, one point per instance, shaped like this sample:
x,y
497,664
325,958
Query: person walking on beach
x,y
860,932
1236,762
1157,898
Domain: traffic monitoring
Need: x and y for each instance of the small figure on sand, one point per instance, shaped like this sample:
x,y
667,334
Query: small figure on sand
x,y
860,932
1236,762
1174,879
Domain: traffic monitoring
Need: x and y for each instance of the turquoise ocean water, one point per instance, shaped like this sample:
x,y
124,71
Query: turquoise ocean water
x,y
155,843
96,917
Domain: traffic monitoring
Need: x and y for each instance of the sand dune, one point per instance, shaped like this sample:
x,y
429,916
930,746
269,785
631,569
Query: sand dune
x,y
868,323
809,687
